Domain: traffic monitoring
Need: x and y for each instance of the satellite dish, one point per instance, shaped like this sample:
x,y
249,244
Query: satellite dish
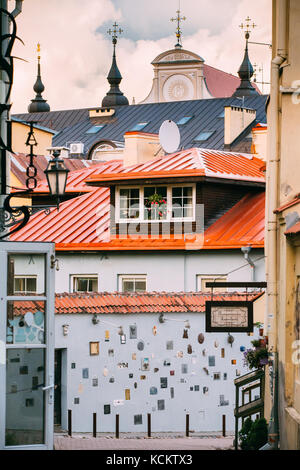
x,y
169,136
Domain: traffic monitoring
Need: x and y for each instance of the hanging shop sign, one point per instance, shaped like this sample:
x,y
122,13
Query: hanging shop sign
x,y
229,316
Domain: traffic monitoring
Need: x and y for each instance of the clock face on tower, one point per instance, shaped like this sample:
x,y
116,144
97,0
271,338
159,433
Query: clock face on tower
x,y
178,87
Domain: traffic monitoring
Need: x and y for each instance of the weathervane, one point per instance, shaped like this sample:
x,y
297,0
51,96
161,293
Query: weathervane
x,y
247,27
178,30
115,32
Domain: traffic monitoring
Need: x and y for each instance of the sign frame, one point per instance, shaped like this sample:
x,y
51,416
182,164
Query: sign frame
x,y
209,304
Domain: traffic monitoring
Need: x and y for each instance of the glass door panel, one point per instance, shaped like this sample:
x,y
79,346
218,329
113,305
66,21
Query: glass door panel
x,y
26,274
25,400
25,322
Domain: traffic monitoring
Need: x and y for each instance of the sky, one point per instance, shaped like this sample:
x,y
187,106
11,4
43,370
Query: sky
x,y
76,50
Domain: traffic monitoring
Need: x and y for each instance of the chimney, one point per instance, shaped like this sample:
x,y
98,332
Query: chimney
x,y
140,147
259,141
236,120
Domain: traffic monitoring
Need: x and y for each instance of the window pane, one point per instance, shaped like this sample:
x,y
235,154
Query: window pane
x,y
25,407
82,285
140,286
155,203
129,203
187,191
31,285
182,202
26,274
128,286
176,192
25,322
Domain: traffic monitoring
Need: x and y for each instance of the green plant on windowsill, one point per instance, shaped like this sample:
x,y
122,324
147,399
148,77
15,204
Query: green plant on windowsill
x,y
156,205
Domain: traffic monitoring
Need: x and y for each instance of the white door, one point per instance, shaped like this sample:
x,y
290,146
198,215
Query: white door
x,y
27,305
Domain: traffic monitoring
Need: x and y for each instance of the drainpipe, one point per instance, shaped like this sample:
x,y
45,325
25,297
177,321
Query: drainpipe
x,y
246,250
272,203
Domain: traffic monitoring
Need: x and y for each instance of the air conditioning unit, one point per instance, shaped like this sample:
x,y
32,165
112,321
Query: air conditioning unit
x,y
76,147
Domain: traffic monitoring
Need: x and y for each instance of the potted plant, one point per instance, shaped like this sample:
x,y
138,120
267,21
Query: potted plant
x,y
156,206
257,357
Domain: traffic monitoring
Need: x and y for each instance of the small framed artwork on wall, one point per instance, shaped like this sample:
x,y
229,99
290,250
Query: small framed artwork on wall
x,y
94,348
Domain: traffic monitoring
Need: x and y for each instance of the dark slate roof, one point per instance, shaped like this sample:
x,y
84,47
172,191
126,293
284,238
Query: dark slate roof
x,y
73,124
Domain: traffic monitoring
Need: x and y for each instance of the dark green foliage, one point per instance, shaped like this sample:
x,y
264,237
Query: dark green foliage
x,y
254,434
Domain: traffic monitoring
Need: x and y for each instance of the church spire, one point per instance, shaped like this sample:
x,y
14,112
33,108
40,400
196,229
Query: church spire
x,y
114,96
38,104
178,29
246,70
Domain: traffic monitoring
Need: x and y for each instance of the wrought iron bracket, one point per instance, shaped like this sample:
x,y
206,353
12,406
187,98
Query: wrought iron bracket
x,y
17,216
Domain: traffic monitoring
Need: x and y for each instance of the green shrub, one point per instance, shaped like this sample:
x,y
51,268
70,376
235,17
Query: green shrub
x,y
254,434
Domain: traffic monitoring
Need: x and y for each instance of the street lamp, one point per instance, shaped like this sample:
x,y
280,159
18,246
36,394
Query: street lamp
x,y
56,174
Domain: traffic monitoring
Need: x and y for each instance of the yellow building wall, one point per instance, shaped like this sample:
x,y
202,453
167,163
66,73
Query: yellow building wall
x,y
20,135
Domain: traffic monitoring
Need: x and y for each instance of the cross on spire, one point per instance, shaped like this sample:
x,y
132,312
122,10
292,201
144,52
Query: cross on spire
x,y
247,27
115,32
178,30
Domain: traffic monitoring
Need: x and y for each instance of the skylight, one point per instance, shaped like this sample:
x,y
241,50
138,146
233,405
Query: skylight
x,y
94,129
139,126
204,135
183,120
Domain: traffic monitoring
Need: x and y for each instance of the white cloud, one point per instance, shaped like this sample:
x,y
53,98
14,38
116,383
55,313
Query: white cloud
x,y
76,60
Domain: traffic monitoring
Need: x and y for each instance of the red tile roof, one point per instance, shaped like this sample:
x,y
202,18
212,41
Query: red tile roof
x,y
148,302
221,84
76,179
19,163
242,225
288,204
191,162
294,230
82,224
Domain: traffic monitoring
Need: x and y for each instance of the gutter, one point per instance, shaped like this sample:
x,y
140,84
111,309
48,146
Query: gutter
x,y
272,203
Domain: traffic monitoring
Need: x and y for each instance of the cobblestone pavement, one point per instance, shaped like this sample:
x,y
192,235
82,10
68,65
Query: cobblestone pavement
x,y
158,441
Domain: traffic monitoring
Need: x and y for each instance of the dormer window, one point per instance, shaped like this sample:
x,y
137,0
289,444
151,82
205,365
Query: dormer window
x,y
139,126
156,203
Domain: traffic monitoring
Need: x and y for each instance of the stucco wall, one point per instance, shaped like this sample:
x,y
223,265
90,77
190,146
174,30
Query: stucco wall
x,y
173,272
205,409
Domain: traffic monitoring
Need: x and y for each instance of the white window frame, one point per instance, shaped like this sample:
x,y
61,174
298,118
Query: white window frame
x,y
25,276
128,277
84,276
169,218
212,278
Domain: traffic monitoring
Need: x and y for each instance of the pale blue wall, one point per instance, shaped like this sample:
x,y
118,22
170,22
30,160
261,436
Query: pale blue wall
x,y
165,271
92,399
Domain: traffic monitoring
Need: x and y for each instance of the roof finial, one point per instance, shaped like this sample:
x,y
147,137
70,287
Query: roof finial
x,y
114,97
246,70
247,27
38,104
178,30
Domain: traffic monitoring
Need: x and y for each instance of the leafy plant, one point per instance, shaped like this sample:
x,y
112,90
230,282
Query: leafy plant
x,y
257,357
254,434
156,205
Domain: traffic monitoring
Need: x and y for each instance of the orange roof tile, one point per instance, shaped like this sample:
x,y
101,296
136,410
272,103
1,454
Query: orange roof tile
x,y
19,163
82,224
291,203
76,179
294,230
191,162
148,302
